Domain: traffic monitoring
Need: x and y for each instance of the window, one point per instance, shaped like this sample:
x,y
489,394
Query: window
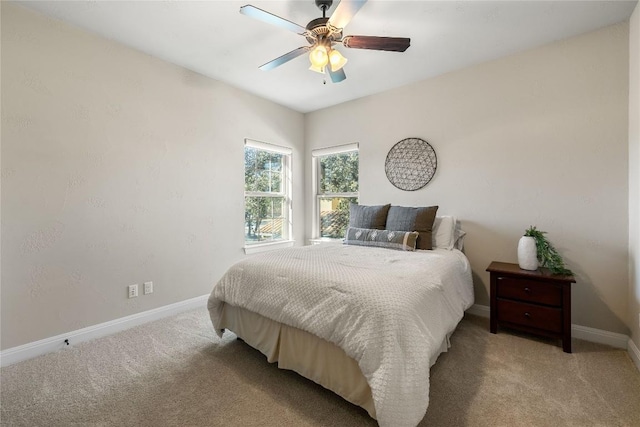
x,y
336,186
267,193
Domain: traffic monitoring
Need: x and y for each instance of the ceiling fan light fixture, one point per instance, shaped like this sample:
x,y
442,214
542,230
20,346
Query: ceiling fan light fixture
x,y
336,60
319,57
317,69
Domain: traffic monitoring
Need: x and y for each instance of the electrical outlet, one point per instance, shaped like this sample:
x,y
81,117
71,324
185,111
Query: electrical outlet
x,y
133,291
148,288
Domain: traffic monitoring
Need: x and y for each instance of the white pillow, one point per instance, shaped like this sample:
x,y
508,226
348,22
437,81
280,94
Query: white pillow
x,y
443,234
458,236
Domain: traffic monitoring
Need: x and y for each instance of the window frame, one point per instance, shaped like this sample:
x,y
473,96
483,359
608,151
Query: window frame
x,y
316,155
286,192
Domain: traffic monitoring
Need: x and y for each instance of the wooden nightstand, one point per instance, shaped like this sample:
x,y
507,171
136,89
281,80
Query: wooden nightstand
x,y
532,301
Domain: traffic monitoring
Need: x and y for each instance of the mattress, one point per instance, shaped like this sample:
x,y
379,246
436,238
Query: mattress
x,y
389,311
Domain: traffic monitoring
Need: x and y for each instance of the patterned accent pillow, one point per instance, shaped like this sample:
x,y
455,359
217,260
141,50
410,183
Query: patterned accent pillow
x,y
401,218
362,216
401,240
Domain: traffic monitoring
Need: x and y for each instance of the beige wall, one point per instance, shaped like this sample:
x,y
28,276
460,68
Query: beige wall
x,y
539,138
634,176
117,168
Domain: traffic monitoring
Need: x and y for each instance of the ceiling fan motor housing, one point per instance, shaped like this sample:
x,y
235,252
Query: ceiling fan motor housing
x,y
318,27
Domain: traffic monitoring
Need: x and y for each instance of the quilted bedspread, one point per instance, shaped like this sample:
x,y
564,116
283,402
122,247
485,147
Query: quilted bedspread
x,y
388,310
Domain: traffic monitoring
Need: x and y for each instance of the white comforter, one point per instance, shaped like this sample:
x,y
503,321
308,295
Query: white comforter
x,y
388,310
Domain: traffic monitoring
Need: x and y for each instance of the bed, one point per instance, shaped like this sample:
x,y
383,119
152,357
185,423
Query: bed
x,y
366,322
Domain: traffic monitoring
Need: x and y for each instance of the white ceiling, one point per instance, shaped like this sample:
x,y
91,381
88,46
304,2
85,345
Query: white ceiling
x,y
214,39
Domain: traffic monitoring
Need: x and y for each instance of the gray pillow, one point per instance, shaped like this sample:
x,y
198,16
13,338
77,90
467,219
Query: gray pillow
x,y
401,240
361,216
419,219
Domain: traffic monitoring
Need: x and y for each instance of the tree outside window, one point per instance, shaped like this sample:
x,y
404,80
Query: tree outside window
x,y
337,188
266,214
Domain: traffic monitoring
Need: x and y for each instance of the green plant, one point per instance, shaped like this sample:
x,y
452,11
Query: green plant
x,y
547,254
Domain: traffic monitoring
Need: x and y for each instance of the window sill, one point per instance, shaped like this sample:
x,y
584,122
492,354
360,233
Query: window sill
x,y
263,247
324,241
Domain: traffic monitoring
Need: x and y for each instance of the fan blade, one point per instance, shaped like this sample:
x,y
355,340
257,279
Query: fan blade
x,y
270,18
336,76
285,58
395,44
345,11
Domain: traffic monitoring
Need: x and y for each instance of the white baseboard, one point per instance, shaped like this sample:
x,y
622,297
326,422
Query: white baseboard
x,y
634,352
47,345
581,332
598,335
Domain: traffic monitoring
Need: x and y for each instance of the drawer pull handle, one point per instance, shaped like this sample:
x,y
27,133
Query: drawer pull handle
x,y
527,290
527,315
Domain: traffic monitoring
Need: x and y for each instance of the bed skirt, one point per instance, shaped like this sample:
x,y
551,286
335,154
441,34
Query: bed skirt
x,y
314,358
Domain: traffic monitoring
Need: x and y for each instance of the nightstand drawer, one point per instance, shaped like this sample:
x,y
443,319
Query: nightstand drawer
x,y
529,290
534,316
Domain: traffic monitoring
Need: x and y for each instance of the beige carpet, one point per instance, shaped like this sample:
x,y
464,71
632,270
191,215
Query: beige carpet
x,y
175,372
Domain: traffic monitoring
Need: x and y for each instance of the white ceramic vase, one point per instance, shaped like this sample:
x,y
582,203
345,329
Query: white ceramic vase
x,y
527,254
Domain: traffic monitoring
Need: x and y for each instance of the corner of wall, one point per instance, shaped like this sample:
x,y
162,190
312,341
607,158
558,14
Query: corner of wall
x,y
634,185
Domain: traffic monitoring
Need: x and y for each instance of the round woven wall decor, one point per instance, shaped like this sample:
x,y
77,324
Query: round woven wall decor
x,y
411,164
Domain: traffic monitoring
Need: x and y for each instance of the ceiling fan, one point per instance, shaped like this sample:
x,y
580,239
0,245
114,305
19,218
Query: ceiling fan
x,y
323,33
